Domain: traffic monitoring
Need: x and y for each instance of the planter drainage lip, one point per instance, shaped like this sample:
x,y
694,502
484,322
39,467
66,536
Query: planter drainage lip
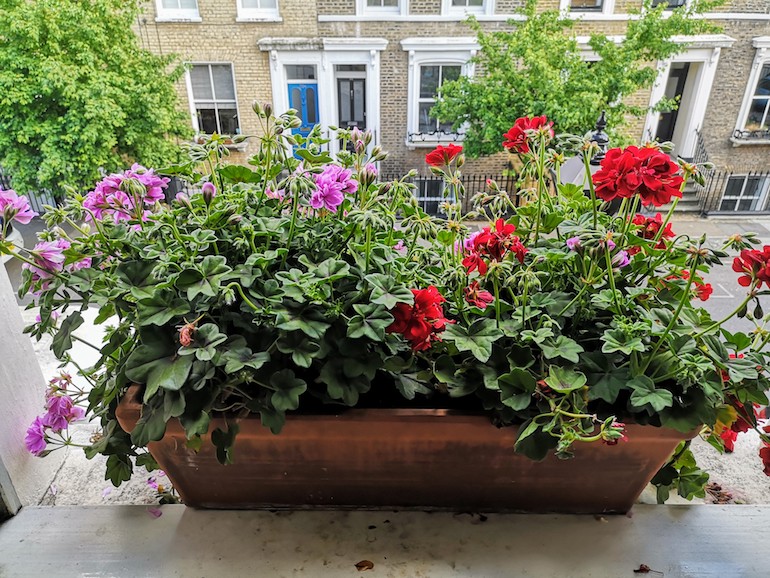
x,y
403,459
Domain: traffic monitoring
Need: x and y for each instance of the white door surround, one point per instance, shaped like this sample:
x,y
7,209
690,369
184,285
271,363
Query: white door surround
x,y
326,54
703,55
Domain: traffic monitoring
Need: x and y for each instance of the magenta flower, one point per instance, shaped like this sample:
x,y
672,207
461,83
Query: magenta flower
x,y
468,243
400,247
331,186
35,438
61,412
573,243
621,259
15,208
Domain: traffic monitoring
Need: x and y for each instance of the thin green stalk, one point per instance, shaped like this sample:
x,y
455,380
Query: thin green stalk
x,y
685,299
591,188
611,277
671,211
540,185
716,324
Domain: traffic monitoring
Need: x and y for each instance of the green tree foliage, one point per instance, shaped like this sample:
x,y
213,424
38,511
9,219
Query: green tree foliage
x,y
537,68
78,93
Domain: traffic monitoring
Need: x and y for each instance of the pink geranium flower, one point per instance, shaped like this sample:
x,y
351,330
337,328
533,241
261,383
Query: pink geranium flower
x,y
35,438
14,207
331,186
48,257
61,412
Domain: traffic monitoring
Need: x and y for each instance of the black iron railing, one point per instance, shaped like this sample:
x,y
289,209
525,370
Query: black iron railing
x,y
736,192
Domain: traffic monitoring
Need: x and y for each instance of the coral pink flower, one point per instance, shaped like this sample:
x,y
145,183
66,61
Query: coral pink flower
x,y
476,296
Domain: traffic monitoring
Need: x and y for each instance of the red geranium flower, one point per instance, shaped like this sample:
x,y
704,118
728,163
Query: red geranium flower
x,y
649,227
702,290
476,296
754,264
517,140
443,155
646,171
421,322
493,243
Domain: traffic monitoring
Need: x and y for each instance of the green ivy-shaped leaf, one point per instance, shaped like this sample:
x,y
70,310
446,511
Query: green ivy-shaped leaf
x,y
301,349
563,347
386,291
477,339
288,388
62,341
370,322
616,340
645,393
564,379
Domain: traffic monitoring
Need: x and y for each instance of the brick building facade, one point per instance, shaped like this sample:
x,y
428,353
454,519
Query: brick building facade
x,y
379,64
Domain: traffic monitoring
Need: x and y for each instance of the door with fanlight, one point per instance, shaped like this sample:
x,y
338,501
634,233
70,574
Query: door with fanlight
x,y
302,84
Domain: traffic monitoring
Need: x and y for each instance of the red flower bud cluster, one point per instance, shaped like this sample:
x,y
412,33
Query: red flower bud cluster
x,y
493,243
649,227
443,155
420,323
754,264
517,139
645,171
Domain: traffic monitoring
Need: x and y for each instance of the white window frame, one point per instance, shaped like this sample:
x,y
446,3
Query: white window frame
x,y
433,51
176,14
608,7
764,187
684,4
761,58
191,96
258,14
401,10
486,9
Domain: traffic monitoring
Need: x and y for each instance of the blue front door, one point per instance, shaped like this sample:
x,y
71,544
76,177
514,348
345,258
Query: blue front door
x,y
304,98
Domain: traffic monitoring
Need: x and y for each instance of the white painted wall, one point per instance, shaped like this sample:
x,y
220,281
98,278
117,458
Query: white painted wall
x,y
22,391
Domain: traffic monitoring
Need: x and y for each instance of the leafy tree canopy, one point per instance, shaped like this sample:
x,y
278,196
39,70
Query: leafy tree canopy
x,y
538,68
77,93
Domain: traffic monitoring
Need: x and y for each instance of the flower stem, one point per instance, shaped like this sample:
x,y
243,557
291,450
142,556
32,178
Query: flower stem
x,y
670,211
591,188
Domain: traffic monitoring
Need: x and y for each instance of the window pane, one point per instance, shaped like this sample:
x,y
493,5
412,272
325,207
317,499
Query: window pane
x,y
727,206
170,4
268,4
747,204
296,99
446,127
391,3
752,187
312,113
475,2
188,4
300,72
763,86
250,4
757,119
734,186
223,81
426,123
429,77
344,96
228,120
586,4
207,120
201,83
351,68
450,73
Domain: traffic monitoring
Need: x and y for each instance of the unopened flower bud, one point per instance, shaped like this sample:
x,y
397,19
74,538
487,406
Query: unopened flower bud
x,y
460,161
257,108
268,109
209,191
183,200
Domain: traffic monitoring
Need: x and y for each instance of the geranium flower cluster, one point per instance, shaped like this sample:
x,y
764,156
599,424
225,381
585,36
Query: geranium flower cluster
x,y
492,244
524,130
60,412
125,196
647,172
754,264
332,184
422,322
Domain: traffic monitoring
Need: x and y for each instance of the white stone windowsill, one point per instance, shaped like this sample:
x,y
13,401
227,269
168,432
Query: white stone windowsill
x,y
167,20
424,144
259,19
740,142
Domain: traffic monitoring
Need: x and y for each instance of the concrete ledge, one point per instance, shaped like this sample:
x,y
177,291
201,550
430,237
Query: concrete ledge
x,y
126,541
